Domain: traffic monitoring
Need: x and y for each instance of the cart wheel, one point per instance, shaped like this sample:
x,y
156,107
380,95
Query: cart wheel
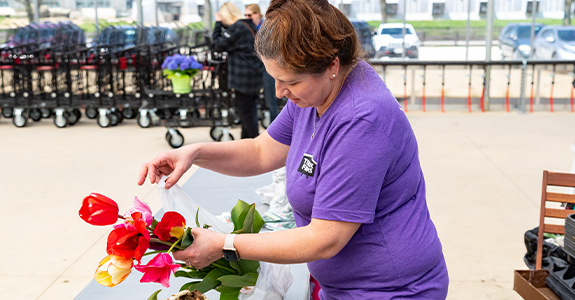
x,y
35,115
20,120
7,112
91,112
46,112
61,120
215,132
197,114
266,120
77,113
114,120
129,113
71,117
228,137
119,115
175,140
104,121
144,120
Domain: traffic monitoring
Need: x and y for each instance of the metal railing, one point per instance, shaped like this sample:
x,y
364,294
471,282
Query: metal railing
x,y
395,74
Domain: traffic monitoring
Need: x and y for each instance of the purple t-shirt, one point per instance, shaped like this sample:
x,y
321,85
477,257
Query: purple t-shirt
x,y
362,166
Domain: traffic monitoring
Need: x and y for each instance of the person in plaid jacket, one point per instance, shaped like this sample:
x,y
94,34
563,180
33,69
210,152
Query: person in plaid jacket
x,y
236,36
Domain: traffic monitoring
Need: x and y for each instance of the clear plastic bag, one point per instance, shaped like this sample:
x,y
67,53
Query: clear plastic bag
x,y
175,199
273,280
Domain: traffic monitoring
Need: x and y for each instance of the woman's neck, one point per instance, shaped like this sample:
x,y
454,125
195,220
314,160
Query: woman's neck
x,y
338,84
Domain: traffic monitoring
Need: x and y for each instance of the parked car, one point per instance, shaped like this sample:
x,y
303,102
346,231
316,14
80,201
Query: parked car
x,y
555,42
515,40
363,32
388,40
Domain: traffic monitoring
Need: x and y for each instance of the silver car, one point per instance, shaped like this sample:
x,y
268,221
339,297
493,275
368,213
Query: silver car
x,y
555,42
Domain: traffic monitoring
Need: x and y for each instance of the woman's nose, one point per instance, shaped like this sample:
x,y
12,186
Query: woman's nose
x,y
281,90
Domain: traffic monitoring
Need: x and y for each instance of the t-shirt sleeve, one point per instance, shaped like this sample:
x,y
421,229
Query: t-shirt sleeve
x,y
355,160
282,127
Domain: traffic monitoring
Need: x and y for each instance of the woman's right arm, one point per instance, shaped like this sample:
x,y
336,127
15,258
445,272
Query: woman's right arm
x,y
245,157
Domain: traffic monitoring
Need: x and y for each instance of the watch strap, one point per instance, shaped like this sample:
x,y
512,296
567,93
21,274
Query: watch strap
x,y
229,242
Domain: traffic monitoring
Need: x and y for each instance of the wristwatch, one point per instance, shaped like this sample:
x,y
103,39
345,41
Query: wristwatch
x,y
230,253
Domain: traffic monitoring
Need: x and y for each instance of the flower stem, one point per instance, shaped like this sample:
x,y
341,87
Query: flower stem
x,y
152,252
121,217
173,245
156,240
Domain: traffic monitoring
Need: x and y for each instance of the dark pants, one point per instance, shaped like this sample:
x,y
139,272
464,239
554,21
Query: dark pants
x,y
247,110
270,95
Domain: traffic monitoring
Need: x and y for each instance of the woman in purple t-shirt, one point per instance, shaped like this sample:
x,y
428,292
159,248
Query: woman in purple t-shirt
x,y
353,174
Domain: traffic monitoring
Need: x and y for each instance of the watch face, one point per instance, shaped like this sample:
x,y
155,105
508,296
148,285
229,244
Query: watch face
x,y
231,255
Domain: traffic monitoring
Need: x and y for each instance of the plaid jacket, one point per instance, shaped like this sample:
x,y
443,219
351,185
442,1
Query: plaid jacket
x,y
245,69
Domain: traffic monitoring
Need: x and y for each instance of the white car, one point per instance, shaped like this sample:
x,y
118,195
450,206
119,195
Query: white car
x,y
388,40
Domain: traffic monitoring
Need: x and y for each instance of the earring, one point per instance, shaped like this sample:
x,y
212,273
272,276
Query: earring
x,y
333,75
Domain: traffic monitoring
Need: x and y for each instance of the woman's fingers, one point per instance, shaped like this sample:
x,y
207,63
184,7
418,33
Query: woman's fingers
x,y
143,174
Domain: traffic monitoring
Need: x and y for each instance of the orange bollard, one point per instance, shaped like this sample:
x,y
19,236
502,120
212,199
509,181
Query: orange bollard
x,y
531,98
469,91
507,92
423,96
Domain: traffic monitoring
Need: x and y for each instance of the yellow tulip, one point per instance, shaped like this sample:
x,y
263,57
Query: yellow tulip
x,y
112,270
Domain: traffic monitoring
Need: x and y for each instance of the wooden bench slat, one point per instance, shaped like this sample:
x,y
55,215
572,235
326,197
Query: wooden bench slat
x,y
561,179
558,213
557,229
556,197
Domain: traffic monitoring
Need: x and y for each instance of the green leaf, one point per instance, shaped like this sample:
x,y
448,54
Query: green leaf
x,y
154,223
188,238
234,264
210,282
249,266
154,296
229,293
236,212
248,279
197,215
247,220
258,221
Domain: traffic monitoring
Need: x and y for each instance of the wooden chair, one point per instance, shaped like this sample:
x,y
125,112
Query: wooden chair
x,y
553,179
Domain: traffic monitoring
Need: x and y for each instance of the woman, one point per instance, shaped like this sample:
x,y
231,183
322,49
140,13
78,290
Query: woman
x,y
236,36
253,11
353,174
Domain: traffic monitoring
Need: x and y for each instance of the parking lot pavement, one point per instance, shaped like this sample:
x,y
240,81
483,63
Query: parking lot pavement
x,y
483,178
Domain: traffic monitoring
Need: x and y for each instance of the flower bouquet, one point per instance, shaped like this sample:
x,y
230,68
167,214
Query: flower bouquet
x,y
139,232
180,69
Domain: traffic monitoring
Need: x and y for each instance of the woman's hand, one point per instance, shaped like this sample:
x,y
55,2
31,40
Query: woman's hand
x,y
206,249
218,17
175,162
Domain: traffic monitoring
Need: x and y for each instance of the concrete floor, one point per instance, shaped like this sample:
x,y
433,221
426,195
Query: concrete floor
x,y
483,174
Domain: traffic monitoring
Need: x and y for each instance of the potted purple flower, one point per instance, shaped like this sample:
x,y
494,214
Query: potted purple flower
x,y
180,69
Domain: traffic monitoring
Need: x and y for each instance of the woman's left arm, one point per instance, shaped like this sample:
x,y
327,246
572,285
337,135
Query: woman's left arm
x,y
321,239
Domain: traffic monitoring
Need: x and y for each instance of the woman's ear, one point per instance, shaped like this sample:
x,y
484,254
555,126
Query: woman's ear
x,y
333,68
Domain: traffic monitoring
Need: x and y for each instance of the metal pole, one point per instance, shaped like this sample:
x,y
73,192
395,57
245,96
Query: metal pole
x,y
532,38
96,19
522,92
140,13
36,12
488,42
403,30
157,21
467,30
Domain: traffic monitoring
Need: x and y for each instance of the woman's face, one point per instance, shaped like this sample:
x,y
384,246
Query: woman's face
x,y
304,90
256,18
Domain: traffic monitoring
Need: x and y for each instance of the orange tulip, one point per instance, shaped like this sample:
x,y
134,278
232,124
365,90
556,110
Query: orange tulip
x,y
112,270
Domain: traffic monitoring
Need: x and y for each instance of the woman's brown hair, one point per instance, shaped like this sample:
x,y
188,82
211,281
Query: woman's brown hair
x,y
305,36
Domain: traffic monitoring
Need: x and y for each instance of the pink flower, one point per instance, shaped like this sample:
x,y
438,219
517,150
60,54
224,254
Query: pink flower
x,y
141,207
158,269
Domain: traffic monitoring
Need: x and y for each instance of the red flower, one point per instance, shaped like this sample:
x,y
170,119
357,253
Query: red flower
x,y
99,210
171,226
158,269
122,242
